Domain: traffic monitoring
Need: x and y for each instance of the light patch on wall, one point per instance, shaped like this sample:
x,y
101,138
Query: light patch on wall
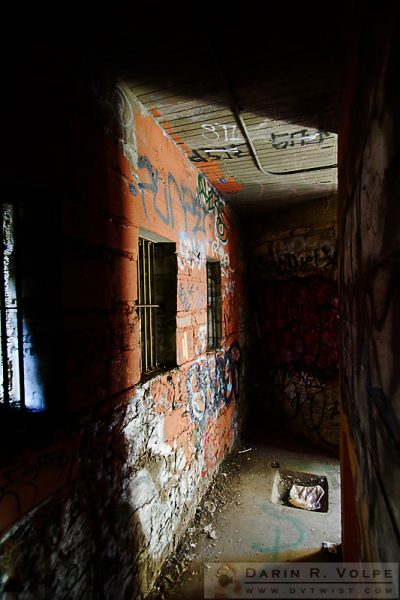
x,y
150,235
191,252
34,396
184,346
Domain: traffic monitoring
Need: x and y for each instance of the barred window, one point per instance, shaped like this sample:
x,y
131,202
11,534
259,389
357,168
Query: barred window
x,y
157,281
31,324
20,384
214,305
12,391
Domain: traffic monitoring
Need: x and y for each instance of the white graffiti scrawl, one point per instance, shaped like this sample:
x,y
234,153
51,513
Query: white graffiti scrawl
x,y
191,252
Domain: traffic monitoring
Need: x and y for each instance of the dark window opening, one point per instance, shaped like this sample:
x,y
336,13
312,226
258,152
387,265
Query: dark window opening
x,y
157,280
31,323
214,305
12,390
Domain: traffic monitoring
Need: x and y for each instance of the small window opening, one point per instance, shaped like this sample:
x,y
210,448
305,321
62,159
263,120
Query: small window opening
x,y
12,392
214,305
157,280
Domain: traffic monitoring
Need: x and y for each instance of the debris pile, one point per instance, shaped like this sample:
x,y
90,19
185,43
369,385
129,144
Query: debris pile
x,y
203,526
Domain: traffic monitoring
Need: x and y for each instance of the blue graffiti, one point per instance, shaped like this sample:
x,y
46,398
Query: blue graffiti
x,y
186,295
293,536
212,384
198,205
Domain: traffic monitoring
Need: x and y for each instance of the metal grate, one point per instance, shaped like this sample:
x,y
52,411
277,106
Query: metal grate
x,y
214,305
11,355
147,306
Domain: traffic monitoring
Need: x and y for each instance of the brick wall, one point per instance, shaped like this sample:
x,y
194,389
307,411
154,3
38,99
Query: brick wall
x,y
294,316
96,494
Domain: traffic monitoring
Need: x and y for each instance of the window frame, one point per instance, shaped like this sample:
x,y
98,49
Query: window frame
x,y
10,277
156,306
42,376
214,305
147,312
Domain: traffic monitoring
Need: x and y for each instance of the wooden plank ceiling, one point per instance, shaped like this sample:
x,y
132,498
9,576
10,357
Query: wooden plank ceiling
x,y
261,124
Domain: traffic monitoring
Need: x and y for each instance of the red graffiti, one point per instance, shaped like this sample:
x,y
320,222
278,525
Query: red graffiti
x,y
298,323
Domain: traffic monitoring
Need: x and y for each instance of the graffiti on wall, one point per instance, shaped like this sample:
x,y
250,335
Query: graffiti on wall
x,y
201,340
213,382
191,252
154,427
298,332
303,137
286,263
300,323
221,132
305,397
168,472
211,201
208,154
162,192
119,124
198,206
160,467
179,424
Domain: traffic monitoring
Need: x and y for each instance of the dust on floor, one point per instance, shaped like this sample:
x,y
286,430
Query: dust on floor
x,y
239,520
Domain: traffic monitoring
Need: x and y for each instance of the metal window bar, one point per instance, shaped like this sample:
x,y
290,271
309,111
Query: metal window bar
x,y
147,306
5,395
214,306
18,292
12,370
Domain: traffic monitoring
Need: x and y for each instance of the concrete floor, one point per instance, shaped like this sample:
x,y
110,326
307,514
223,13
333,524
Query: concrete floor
x,y
237,520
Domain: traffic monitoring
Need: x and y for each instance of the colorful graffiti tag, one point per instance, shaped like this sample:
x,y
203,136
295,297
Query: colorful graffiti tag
x,y
211,201
213,382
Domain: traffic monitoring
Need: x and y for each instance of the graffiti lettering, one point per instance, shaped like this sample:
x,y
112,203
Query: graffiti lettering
x,y
206,154
302,137
191,252
165,213
121,129
185,295
213,382
298,329
120,120
228,370
198,206
152,186
210,199
214,133
218,251
303,396
288,263
192,207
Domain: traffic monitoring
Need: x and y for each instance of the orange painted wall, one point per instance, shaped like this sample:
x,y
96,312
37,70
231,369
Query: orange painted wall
x,y
121,463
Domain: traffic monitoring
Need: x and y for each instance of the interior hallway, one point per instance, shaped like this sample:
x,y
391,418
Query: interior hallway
x,y
194,230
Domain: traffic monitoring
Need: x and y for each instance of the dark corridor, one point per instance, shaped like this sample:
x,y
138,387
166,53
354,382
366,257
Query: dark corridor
x,y
272,164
